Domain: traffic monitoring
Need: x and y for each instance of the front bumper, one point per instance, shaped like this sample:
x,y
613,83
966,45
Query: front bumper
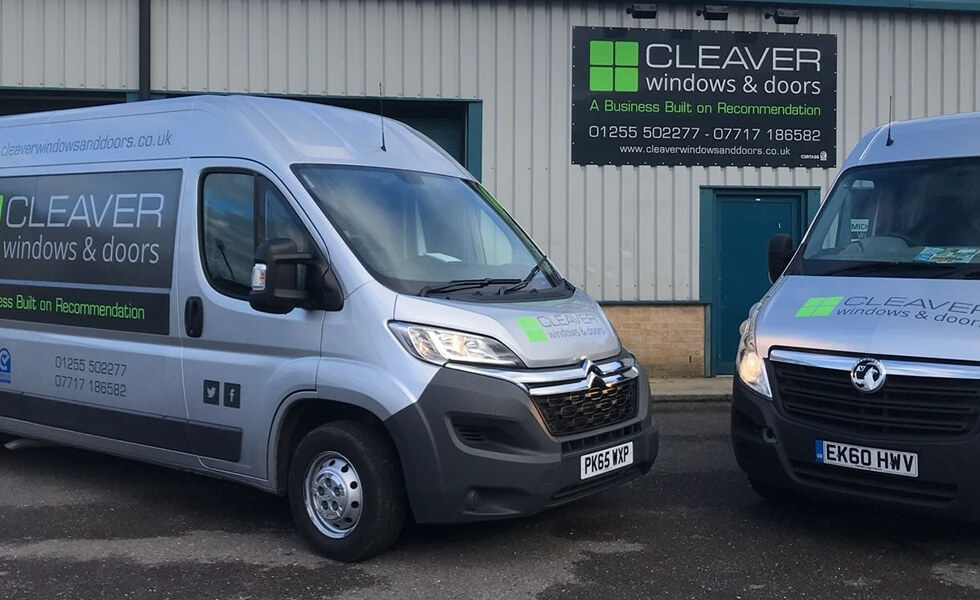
x,y
779,451
474,448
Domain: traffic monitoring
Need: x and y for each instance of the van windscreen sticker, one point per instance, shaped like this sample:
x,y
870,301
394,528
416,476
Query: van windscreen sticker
x,y
947,255
90,250
542,328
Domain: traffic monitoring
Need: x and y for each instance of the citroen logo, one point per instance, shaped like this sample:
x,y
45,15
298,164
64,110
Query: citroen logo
x,y
868,375
593,375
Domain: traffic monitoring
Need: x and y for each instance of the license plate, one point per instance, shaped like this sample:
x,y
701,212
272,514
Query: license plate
x,y
878,460
607,460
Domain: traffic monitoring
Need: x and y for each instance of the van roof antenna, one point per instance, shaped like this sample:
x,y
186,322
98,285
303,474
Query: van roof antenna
x,y
891,117
381,96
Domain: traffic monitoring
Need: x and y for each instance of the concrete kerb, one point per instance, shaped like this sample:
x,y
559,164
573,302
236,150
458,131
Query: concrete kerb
x,y
710,389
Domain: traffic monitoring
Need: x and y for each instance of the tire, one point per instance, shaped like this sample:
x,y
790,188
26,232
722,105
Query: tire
x,y
771,493
368,514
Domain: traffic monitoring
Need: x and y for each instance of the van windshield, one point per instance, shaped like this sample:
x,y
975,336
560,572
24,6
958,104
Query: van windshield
x,y
431,235
914,220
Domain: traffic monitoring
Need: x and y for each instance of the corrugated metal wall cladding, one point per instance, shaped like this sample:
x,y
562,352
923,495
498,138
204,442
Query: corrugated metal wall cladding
x,y
68,44
625,233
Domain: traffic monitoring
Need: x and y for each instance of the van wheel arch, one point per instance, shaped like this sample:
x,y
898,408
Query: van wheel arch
x,y
303,416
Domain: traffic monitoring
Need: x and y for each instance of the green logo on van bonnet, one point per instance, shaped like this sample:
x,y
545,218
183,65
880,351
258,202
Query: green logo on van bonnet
x,y
532,329
819,306
614,66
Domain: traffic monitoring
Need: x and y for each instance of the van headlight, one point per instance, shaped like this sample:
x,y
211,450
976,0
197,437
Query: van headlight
x,y
440,346
748,363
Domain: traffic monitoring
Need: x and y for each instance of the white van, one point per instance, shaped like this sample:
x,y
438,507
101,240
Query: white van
x,y
306,299
859,371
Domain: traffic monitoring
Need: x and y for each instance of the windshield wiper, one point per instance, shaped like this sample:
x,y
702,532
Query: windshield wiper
x,y
457,285
935,270
524,282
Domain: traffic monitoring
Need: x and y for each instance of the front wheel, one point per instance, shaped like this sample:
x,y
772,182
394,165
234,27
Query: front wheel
x,y
346,491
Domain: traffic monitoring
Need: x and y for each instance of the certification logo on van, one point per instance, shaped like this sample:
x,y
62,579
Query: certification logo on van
x,y
6,366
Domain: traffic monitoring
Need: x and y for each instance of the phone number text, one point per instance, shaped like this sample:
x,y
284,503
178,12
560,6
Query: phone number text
x,y
633,132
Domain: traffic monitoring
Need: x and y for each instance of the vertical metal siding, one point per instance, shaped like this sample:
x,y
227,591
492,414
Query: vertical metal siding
x,y
625,233
82,44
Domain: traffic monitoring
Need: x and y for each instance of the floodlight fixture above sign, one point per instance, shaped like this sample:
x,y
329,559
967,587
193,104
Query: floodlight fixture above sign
x,y
642,11
785,16
714,12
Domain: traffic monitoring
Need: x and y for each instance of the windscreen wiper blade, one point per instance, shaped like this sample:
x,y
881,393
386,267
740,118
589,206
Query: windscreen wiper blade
x,y
935,270
524,282
457,285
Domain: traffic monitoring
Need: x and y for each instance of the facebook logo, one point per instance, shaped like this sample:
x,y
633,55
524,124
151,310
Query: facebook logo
x,y
233,395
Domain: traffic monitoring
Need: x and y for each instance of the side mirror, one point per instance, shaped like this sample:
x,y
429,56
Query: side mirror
x,y
276,283
275,277
780,253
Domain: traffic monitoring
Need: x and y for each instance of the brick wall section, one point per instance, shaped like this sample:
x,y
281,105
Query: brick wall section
x,y
667,339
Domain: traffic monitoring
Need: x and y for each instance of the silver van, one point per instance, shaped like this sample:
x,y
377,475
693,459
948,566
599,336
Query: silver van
x,y
313,301
859,371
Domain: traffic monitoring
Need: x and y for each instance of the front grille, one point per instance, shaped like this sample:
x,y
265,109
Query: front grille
x,y
578,412
602,439
923,408
876,485
471,435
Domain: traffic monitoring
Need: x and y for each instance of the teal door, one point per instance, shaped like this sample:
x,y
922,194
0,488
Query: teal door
x,y
744,223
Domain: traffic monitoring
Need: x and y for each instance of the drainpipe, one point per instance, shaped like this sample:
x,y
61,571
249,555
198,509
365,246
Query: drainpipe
x,y
144,50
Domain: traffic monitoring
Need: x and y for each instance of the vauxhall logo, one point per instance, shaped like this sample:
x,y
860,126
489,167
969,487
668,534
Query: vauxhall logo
x,y
868,375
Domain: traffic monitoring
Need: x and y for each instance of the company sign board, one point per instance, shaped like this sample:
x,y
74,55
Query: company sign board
x,y
89,250
711,98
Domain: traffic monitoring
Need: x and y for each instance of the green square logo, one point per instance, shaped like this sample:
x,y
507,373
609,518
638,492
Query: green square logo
x,y
532,329
614,66
627,54
819,306
601,79
627,80
601,53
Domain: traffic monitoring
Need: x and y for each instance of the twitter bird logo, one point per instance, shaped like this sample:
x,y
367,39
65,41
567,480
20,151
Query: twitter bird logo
x,y
211,392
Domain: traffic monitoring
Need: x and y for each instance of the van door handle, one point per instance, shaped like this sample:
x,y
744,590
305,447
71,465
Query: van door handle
x,y
194,317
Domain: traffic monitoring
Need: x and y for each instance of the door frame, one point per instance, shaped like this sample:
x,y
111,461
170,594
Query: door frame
x,y
809,202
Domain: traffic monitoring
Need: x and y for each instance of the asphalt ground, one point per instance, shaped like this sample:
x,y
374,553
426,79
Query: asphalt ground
x,y
84,526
